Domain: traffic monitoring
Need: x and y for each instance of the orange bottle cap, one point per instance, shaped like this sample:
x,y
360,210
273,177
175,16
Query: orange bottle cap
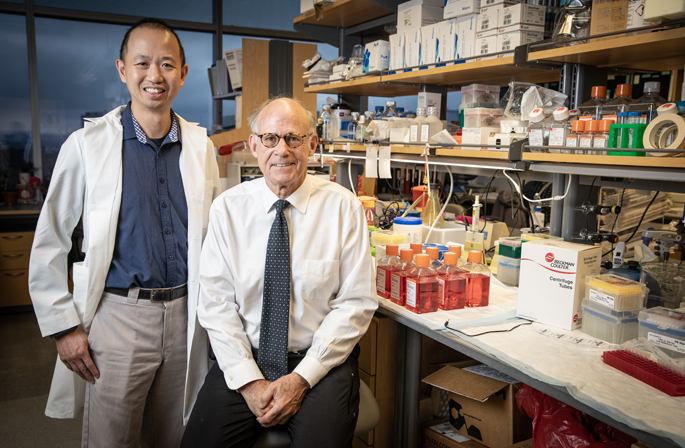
x,y
422,260
599,92
406,255
593,126
450,258
578,126
417,248
433,252
623,90
456,250
475,256
605,125
392,250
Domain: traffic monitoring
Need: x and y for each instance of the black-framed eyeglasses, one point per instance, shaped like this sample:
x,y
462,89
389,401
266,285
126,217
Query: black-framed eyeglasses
x,y
292,139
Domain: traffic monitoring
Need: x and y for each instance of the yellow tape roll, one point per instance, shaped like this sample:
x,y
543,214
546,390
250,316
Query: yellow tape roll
x,y
659,128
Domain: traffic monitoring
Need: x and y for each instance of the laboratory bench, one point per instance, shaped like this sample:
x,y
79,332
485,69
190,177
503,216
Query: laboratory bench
x,y
17,225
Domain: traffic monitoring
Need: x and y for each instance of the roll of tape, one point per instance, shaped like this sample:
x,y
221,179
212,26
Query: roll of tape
x,y
660,126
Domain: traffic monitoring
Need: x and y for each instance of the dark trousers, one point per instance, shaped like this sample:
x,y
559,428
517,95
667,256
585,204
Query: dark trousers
x,y
327,417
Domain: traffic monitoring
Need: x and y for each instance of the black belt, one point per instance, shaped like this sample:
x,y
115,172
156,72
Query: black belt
x,y
154,294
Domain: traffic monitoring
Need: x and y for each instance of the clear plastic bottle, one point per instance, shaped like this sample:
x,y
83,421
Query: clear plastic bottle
x,y
538,129
593,106
477,280
434,121
577,128
415,125
601,138
398,287
457,250
326,117
390,111
622,100
370,213
352,127
422,287
451,284
651,99
560,129
360,134
586,138
379,113
434,253
385,267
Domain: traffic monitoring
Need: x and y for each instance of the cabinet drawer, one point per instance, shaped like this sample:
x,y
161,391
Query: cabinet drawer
x,y
15,241
15,288
14,260
371,382
367,347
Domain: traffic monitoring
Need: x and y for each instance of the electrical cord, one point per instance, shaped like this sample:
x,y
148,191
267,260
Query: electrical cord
x,y
524,322
449,196
589,196
639,223
553,198
349,172
485,203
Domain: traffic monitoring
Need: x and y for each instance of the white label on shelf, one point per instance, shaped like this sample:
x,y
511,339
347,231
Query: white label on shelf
x,y
535,137
604,299
600,142
667,342
380,280
411,293
414,133
585,142
425,133
572,141
395,286
441,291
557,136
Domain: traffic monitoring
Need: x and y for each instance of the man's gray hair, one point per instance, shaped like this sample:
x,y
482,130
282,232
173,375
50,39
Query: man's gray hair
x,y
253,119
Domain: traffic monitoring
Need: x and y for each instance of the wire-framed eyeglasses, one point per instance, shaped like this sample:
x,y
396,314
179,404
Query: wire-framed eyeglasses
x,y
292,139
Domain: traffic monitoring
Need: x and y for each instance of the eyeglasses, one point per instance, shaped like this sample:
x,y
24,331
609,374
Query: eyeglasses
x,y
292,139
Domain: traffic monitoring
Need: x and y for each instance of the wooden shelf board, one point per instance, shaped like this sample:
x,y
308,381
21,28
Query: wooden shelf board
x,y
449,152
656,51
344,13
368,86
655,162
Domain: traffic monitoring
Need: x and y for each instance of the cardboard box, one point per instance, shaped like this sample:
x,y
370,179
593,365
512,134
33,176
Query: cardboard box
x,y
552,281
608,16
636,12
521,13
376,56
658,11
486,45
234,63
396,51
487,19
520,27
509,41
525,444
481,407
488,3
466,43
428,99
448,33
429,44
412,48
306,5
442,436
415,14
457,8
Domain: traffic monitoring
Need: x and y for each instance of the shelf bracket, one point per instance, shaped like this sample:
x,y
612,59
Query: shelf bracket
x,y
516,150
326,34
521,59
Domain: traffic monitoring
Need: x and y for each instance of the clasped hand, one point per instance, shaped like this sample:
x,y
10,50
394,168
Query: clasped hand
x,y
275,402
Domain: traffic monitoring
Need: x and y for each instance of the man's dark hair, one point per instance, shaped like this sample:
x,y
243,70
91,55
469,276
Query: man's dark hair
x,y
154,24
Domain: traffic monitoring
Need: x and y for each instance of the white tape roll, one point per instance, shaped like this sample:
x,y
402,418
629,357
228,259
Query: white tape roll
x,y
656,129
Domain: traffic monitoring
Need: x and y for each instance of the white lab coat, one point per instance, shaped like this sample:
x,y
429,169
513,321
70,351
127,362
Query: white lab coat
x,y
87,182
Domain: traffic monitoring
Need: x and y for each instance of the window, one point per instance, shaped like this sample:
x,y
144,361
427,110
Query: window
x,y
195,11
15,101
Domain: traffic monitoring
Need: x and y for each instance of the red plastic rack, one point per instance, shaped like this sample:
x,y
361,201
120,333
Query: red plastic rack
x,y
647,371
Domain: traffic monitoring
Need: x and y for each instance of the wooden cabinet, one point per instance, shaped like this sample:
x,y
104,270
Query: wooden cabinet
x,y
15,249
377,360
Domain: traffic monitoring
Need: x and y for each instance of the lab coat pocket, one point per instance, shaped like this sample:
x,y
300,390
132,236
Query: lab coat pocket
x,y
319,279
80,277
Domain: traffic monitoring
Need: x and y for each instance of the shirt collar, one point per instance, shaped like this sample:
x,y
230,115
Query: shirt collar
x,y
299,199
132,128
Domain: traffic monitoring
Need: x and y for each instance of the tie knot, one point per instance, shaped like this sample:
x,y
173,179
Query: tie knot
x,y
281,205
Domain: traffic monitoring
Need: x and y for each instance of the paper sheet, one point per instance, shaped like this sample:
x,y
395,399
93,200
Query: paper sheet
x,y
384,162
371,165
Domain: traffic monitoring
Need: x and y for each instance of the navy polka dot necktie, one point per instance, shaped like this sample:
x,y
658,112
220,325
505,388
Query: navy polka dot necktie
x,y
272,357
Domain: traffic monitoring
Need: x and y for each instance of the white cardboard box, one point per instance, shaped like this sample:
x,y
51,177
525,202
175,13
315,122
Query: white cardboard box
x,y
488,3
376,56
520,27
428,99
487,33
509,41
234,63
412,48
456,8
429,44
552,281
636,11
477,136
396,51
448,32
486,45
487,19
466,43
415,14
306,5
521,13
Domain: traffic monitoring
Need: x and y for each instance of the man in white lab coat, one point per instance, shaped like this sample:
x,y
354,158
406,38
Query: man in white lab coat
x,y
142,179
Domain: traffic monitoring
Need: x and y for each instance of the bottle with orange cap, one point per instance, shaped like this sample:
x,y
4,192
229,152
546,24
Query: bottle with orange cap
x,y
417,248
370,213
385,268
451,284
559,129
577,128
601,138
477,280
622,100
398,280
593,106
587,138
434,254
538,129
422,287
457,250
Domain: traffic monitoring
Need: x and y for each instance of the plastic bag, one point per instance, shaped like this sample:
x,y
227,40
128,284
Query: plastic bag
x,y
514,105
558,425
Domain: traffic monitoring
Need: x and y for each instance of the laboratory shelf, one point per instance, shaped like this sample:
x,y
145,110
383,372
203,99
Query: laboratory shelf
x,y
367,86
655,51
344,13
654,162
439,151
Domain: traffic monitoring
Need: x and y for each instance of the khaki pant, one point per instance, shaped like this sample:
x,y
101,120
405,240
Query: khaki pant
x,y
139,347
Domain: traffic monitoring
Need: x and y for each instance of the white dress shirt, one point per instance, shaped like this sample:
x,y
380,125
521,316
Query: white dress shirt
x,y
333,294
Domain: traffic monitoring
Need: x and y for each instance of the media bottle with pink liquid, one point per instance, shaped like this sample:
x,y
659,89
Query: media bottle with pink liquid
x,y
477,280
422,287
386,266
451,284
398,287
434,253
457,250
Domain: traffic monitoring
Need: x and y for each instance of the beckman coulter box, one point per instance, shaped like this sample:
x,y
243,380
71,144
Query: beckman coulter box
x,y
552,281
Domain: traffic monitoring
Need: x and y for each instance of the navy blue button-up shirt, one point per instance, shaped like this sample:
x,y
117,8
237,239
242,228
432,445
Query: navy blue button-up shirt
x,y
151,248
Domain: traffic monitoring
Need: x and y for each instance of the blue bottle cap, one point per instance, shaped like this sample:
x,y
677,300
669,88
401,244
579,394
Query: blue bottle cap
x,y
623,114
634,114
407,221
